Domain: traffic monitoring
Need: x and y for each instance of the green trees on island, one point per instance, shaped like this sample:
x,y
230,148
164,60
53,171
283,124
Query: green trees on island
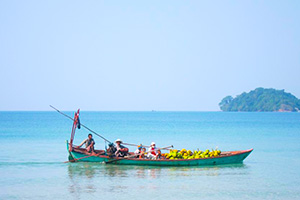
x,y
261,100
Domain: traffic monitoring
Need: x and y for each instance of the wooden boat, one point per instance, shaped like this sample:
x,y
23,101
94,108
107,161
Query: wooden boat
x,y
77,154
229,157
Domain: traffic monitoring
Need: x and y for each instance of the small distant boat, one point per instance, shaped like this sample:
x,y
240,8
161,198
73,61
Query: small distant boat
x,y
77,154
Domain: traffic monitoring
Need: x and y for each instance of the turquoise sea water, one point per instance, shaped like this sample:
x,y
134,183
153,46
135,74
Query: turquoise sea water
x,y
33,150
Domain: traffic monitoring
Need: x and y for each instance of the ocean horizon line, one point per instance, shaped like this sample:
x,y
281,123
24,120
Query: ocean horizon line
x,y
112,110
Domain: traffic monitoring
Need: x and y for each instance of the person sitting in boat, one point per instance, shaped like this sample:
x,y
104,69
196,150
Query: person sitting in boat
x,y
159,156
138,152
152,151
143,153
110,151
121,150
89,143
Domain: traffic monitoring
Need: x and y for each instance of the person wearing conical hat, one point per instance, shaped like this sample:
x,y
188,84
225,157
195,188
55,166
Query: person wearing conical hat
x,y
121,150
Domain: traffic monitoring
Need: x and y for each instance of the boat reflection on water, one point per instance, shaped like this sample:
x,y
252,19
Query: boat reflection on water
x,y
92,170
207,170
94,177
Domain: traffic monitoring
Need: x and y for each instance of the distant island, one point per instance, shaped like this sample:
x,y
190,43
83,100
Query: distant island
x,y
261,100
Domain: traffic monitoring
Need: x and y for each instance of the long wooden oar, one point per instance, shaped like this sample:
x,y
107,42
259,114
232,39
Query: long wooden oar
x,y
166,148
75,159
135,145
124,158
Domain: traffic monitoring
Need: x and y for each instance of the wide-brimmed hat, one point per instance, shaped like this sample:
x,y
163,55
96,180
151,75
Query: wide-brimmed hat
x,y
118,140
152,143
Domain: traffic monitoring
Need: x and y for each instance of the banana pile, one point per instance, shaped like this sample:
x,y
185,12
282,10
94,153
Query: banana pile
x,y
188,154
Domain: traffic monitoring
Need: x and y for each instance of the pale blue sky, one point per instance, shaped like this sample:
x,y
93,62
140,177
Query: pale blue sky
x,y
144,55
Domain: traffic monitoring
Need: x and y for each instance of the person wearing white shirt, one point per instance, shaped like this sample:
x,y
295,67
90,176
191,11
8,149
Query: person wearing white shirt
x,y
138,151
152,151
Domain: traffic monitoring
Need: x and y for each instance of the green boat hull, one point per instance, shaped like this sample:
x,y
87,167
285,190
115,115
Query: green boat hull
x,y
231,157
183,162
79,157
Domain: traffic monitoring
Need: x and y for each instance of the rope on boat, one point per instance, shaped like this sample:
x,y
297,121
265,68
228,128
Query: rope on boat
x,y
75,159
80,124
106,140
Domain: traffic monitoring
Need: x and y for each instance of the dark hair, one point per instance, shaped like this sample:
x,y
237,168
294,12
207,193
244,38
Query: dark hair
x,y
90,135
